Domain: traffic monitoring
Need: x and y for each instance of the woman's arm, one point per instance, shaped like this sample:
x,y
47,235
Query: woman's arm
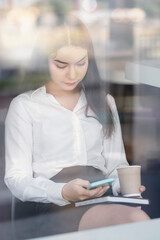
x,y
18,155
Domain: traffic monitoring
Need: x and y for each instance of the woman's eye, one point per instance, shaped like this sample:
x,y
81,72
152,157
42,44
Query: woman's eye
x,y
64,66
81,64
61,67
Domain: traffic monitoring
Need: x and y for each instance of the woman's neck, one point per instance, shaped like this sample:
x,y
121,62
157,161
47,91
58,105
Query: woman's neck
x,y
54,90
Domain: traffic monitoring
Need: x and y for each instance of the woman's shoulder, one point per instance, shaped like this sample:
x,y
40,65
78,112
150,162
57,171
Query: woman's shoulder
x,y
26,96
109,97
23,101
112,105
22,105
110,100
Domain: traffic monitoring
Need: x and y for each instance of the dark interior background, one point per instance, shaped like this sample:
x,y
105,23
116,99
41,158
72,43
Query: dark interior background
x,y
122,39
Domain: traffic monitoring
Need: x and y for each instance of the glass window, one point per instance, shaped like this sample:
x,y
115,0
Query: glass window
x,y
113,47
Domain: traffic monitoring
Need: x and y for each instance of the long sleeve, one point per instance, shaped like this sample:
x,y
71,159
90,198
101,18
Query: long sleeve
x,y
113,148
19,175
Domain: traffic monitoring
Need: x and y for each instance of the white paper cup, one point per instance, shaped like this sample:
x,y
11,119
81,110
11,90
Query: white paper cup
x,y
130,180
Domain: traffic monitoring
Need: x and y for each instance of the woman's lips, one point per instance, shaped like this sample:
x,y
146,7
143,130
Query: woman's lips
x,y
70,84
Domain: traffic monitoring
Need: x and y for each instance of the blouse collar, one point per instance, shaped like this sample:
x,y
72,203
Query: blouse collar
x,y
42,92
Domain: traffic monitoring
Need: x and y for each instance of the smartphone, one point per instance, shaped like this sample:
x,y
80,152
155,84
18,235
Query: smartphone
x,y
101,183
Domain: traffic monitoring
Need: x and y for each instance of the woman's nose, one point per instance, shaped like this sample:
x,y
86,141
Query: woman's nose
x,y
72,72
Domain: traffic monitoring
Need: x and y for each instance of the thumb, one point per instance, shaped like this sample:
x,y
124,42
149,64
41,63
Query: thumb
x,y
118,190
83,183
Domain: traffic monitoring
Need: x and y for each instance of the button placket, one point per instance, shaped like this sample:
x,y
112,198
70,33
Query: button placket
x,y
80,155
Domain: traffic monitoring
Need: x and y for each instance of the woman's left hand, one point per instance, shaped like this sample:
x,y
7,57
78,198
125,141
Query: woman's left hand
x,y
141,189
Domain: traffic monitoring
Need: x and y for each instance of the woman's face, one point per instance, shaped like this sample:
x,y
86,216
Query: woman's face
x,y
68,67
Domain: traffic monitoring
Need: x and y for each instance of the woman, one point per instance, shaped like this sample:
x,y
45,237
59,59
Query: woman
x,y
64,135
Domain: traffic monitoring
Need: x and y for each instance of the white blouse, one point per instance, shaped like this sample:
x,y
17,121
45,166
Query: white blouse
x,y
42,137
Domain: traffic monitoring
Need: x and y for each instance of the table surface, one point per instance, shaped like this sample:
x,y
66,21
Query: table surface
x,y
148,230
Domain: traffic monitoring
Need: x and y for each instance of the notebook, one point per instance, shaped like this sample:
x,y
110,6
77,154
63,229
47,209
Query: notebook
x,y
114,199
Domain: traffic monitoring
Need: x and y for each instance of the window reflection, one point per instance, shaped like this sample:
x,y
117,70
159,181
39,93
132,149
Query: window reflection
x,y
121,33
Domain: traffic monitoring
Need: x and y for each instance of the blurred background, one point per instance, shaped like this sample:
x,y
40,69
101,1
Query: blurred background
x,y
122,31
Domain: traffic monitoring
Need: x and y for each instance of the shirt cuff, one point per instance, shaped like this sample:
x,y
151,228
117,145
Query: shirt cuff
x,y
55,194
115,186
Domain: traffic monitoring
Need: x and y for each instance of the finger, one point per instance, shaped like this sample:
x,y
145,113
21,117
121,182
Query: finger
x,y
82,183
140,196
93,192
142,188
106,188
118,190
102,192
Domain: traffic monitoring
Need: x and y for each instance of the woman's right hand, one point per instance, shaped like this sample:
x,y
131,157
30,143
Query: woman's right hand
x,y
75,190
